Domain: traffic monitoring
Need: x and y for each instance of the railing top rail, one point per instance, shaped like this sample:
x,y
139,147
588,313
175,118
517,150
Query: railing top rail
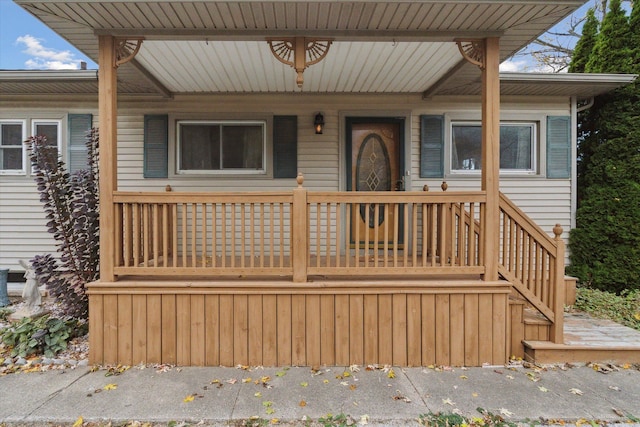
x,y
201,197
531,227
396,196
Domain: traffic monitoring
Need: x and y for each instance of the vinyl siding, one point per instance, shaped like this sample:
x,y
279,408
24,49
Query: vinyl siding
x,y
320,159
23,231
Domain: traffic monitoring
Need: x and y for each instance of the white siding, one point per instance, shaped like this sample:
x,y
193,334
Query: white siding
x,y
23,231
320,157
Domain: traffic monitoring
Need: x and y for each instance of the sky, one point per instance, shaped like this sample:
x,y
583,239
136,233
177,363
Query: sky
x,y
28,44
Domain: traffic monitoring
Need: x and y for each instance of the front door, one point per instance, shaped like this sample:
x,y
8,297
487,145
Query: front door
x,y
374,163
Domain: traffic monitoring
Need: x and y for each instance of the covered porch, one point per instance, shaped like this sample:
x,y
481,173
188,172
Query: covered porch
x,y
296,276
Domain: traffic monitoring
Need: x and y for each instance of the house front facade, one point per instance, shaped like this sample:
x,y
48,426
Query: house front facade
x,y
307,183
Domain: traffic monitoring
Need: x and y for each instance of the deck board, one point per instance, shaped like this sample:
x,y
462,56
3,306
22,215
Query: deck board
x,y
587,339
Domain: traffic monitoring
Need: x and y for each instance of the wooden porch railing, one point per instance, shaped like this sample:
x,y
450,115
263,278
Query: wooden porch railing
x,y
298,233
534,263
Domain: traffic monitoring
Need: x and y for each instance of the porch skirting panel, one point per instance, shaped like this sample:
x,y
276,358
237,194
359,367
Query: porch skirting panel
x,y
280,323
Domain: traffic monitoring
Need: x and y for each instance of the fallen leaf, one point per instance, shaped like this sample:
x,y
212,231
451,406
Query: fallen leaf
x,y
576,391
613,387
543,389
346,374
618,412
400,396
246,380
110,386
354,368
448,401
274,421
364,420
474,394
280,374
505,412
257,394
533,377
325,381
270,411
265,379
391,374
353,387
231,381
267,403
463,377
302,404
304,384
243,367
510,377
189,398
78,422
626,366
215,381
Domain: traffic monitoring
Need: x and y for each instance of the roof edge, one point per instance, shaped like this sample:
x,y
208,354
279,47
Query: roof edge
x,y
510,77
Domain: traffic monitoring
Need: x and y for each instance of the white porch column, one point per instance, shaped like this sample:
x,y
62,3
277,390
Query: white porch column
x,y
108,122
491,155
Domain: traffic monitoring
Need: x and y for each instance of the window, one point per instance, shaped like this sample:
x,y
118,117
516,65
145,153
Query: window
x,y
12,150
517,147
206,147
49,129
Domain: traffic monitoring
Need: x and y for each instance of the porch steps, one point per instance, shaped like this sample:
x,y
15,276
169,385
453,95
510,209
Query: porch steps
x,y
587,339
526,325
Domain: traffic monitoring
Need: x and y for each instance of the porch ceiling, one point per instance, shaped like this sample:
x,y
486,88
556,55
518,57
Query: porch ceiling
x,y
219,46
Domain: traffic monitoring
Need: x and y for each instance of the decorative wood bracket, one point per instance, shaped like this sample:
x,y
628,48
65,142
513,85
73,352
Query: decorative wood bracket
x,y
126,50
299,52
473,51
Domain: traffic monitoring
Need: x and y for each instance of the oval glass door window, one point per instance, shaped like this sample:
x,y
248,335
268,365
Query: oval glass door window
x,y
373,173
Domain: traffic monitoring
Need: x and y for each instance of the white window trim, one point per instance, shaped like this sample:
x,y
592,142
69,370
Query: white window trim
x,y
58,123
22,171
213,172
535,141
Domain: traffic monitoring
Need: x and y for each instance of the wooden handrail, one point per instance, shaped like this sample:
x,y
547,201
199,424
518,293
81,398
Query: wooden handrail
x,y
533,262
297,233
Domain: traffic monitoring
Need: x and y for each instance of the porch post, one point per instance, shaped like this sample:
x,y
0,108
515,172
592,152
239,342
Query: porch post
x,y
491,155
108,122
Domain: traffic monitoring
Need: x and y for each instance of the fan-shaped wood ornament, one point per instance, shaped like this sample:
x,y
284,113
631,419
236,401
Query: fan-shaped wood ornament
x,y
472,51
126,50
299,53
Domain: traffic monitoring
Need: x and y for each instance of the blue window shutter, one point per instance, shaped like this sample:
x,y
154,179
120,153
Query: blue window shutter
x,y
156,146
558,147
285,146
79,125
431,146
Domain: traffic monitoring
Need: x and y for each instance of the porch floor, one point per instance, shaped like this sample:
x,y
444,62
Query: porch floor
x,y
587,339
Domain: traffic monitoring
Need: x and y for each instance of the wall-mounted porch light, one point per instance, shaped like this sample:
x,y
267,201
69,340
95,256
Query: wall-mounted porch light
x,y
318,123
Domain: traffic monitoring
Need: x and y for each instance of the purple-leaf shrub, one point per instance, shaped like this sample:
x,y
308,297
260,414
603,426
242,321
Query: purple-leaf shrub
x,y
72,212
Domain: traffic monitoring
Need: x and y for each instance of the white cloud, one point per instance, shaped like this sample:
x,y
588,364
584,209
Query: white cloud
x,y
44,58
512,66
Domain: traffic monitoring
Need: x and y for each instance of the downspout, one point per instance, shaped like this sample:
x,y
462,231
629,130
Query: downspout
x,y
574,157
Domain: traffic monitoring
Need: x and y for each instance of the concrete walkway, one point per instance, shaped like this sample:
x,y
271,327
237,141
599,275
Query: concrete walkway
x,y
223,396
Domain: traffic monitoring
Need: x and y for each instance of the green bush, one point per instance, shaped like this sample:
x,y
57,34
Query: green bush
x,y
43,335
623,308
605,245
